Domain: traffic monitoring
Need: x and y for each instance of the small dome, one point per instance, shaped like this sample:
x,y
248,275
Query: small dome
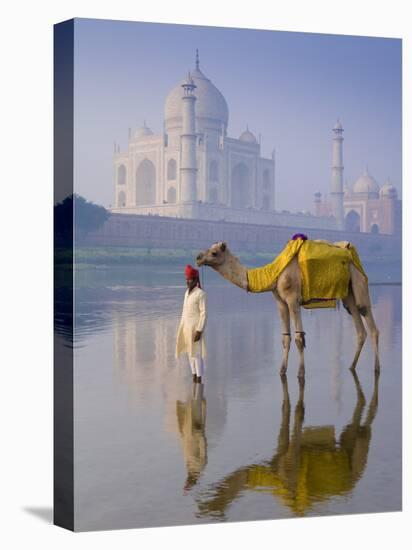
x,y
367,185
338,125
143,131
247,136
388,191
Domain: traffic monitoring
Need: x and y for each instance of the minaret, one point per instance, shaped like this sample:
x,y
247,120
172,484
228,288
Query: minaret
x,y
188,167
337,192
318,200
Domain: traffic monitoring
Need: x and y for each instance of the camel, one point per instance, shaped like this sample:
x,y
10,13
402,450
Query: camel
x,y
310,465
287,291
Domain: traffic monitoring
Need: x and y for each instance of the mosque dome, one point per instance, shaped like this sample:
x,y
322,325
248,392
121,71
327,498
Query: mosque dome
x,y
366,185
210,106
247,136
388,191
143,132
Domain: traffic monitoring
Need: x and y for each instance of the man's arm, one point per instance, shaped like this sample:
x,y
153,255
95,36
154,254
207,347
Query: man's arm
x,y
202,317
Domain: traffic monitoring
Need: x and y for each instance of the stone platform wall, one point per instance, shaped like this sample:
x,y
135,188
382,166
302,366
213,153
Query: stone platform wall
x,y
163,232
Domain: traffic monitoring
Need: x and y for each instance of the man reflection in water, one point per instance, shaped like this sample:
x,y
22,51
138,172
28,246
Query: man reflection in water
x,y
191,419
190,335
310,464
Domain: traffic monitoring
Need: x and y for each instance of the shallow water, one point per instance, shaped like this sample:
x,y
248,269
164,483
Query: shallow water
x,y
153,449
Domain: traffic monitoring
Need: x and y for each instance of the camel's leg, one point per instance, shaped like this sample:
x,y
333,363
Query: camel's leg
x,y
349,303
285,322
294,311
374,334
360,291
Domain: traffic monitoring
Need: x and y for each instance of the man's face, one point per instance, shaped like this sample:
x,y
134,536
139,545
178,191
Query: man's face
x,y
191,283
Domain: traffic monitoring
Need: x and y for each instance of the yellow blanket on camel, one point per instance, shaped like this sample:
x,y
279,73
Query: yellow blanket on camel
x,y
324,267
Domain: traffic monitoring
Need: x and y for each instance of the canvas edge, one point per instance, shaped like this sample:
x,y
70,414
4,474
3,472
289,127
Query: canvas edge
x,y
63,127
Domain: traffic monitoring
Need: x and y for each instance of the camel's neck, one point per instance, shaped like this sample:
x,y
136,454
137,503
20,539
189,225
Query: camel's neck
x,y
233,271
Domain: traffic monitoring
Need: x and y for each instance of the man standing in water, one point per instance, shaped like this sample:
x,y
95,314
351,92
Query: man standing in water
x,y
190,335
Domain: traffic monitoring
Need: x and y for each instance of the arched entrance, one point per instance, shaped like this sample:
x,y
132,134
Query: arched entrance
x,y
145,183
266,180
239,188
121,199
171,195
352,222
171,170
213,195
266,202
213,171
121,175
375,229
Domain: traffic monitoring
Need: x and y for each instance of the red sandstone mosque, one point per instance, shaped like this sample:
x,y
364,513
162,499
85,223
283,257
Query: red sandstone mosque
x,y
365,207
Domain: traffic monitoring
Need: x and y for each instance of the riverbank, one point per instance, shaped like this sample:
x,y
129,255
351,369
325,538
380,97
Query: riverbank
x,y
130,262
112,256
116,255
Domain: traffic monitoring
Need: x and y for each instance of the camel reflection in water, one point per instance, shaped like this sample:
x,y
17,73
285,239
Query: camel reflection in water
x,y
191,419
310,465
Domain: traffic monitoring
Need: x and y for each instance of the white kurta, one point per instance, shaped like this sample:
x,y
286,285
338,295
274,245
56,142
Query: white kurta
x,y
191,419
194,316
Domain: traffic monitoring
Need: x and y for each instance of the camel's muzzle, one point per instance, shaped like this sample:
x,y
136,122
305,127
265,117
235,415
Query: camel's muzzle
x,y
199,258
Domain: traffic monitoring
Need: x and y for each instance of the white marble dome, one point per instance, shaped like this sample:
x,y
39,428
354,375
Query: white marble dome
x,y
247,136
366,184
388,190
142,132
210,103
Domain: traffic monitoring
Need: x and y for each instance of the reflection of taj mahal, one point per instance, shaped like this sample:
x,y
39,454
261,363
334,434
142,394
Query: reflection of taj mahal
x,y
194,170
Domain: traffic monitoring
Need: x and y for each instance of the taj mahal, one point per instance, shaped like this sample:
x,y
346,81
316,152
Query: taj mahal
x,y
194,170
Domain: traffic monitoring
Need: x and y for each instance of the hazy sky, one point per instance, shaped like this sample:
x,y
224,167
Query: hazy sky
x,y
289,87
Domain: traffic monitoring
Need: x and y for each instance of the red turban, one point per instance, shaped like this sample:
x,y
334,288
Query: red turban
x,y
191,272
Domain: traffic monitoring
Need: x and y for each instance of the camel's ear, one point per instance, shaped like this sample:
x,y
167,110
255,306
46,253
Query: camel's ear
x,y
223,247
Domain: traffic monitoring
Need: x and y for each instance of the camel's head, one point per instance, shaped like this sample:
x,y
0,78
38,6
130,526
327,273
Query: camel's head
x,y
213,256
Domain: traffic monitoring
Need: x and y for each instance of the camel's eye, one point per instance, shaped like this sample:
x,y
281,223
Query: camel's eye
x,y
214,253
